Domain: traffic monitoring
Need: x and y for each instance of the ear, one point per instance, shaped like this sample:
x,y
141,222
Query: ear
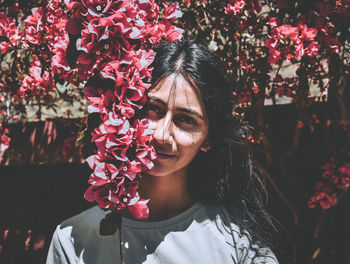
x,y
205,146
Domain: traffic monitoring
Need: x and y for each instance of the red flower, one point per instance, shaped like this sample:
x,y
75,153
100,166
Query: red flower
x,y
274,56
312,49
287,31
140,209
300,124
100,101
4,138
37,82
235,7
9,29
162,32
325,200
288,43
273,21
299,51
172,12
107,32
344,174
307,34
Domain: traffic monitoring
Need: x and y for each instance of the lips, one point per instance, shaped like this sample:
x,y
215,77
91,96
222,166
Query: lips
x,y
164,155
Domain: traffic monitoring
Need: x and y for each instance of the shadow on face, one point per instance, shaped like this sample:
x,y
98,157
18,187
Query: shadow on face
x,y
180,124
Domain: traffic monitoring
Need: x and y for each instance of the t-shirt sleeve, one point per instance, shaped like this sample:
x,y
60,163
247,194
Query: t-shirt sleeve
x,y
256,255
56,253
242,249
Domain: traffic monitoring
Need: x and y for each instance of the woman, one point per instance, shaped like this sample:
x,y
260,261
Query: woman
x,y
206,203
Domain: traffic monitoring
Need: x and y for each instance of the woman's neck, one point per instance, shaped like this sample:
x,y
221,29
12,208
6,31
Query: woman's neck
x,y
168,195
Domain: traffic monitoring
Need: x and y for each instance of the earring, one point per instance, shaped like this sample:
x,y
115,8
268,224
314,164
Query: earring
x,y
205,148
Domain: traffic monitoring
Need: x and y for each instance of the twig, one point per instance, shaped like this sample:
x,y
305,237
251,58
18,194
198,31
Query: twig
x,y
284,199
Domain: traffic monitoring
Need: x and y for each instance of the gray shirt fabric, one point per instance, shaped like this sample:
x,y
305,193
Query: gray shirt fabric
x,y
201,234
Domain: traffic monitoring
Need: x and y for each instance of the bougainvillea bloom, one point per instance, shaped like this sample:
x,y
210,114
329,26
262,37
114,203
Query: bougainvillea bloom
x,y
336,177
291,43
324,199
112,39
4,138
8,29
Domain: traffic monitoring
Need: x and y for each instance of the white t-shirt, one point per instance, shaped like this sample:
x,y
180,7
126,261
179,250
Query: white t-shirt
x,y
201,234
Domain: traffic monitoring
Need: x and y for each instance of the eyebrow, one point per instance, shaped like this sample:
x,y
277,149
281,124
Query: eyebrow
x,y
182,109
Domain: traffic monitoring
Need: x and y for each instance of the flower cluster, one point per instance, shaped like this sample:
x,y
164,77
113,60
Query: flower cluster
x,y
323,16
112,41
110,31
42,37
45,31
291,43
236,7
8,29
37,82
336,178
4,138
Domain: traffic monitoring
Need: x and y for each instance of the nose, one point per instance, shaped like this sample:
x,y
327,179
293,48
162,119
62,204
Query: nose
x,y
163,133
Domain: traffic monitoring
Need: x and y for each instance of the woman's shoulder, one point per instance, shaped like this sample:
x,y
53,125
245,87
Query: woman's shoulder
x,y
83,224
239,241
89,218
75,234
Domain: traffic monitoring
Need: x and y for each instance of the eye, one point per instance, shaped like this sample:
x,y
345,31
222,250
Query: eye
x,y
153,110
186,120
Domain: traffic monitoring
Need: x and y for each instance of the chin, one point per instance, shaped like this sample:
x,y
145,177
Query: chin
x,y
162,170
158,171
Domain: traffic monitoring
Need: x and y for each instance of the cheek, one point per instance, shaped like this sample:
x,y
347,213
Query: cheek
x,y
190,141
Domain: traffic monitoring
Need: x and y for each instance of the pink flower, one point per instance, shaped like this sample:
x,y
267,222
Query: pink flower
x,y
287,31
344,174
4,138
288,42
345,170
111,43
172,12
100,101
5,47
271,43
235,7
100,194
325,200
307,34
274,56
312,49
140,209
37,82
149,9
273,21
284,91
9,29
299,50
161,32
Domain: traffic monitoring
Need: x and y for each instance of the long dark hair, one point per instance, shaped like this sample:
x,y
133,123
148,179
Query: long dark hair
x,y
226,174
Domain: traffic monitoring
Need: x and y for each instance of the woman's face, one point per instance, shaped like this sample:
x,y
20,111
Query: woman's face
x,y
179,122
